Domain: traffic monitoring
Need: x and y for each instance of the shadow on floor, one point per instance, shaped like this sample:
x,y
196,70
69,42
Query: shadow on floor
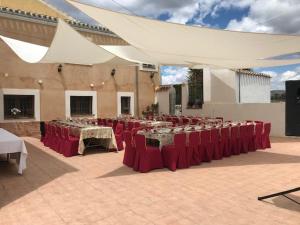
x,y
42,168
126,171
251,158
285,203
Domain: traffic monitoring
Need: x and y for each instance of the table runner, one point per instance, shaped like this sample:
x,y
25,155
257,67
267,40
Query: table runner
x,y
10,143
167,138
97,132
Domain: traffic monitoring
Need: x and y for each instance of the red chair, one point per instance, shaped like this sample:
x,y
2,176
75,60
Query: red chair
x,y
70,146
59,139
193,156
224,142
47,134
205,147
134,131
100,122
195,121
185,121
147,158
251,138
258,135
54,139
174,155
130,125
266,136
137,124
235,140
115,123
124,124
129,154
119,136
243,139
215,144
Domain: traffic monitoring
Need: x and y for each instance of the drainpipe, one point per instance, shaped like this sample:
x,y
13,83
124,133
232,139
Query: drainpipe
x,y
137,91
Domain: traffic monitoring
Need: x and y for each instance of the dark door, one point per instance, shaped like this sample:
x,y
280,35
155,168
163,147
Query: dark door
x,y
292,108
125,105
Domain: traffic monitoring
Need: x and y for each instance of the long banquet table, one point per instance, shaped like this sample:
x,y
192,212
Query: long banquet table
x,y
165,136
15,146
85,131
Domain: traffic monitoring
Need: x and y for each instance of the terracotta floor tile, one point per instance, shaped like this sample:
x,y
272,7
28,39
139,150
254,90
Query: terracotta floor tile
x,y
97,189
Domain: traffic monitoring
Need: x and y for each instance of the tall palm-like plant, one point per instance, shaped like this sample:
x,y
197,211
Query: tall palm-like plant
x,y
195,82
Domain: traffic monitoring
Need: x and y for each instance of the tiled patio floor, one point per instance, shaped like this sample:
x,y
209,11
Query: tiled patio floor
x,y
98,189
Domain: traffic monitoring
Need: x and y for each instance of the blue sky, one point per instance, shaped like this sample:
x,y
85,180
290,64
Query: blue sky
x,y
270,16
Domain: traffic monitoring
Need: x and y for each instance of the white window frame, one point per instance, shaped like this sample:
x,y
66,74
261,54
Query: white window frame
x,y
70,93
125,94
11,91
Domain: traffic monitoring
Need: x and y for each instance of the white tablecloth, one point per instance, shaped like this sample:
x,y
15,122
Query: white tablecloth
x,y
10,143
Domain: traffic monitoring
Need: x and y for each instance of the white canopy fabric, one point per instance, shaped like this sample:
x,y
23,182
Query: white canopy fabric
x,y
28,52
129,53
170,43
68,46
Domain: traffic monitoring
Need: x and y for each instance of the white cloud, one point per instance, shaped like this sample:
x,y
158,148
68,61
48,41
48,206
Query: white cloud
x,y
248,24
278,79
174,75
179,11
273,16
288,75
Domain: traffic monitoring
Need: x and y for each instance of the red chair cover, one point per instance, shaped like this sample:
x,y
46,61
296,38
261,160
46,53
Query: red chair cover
x,y
215,143
115,123
195,121
243,139
137,124
52,137
185,121
224,142
266,136
100,122
119,136
71,143
59,140
174,156
235,146
193,156
47,135
205,147
258,135
129,154
130,125
147,158
251,137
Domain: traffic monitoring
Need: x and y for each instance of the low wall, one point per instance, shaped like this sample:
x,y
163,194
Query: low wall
x,y
268,112
22,129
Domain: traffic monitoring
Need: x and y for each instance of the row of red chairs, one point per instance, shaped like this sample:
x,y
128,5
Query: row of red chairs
x,y
202,146
60,140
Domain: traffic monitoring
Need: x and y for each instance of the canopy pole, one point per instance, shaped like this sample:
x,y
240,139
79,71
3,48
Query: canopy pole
x,y
137,90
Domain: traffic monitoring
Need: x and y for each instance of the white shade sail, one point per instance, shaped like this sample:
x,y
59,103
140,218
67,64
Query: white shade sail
x,y
170,43
68,46
28,52
130,53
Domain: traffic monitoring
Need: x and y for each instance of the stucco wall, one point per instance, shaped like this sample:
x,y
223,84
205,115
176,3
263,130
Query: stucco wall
x,y
163,100
268,112
22,75
222,88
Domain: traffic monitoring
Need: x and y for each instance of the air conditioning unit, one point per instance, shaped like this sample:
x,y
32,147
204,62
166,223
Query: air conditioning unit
x,y
148,67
